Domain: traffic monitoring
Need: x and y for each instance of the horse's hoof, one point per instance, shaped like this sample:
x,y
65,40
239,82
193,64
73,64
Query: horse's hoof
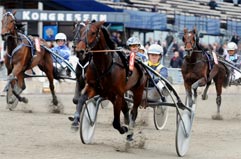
x,y
123,130
217,117
75,100
74,127
129,137
71,118
204,97
10,101
25,100
55,102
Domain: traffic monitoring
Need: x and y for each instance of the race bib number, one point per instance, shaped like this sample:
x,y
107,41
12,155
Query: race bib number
x,y
131,61
37,44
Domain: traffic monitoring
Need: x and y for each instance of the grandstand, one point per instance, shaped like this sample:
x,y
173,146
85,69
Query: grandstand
x,y
225,11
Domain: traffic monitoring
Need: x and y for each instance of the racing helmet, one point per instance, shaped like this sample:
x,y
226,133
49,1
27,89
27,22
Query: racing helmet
x,y
155,49
60,36
133,41
232,46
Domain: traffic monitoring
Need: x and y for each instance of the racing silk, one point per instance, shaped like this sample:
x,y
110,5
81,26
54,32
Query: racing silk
x,y
159,68
235,59
63,51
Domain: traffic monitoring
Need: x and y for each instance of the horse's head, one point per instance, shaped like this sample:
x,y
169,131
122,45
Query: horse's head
x,y
8,25
190,40
76,32
90,35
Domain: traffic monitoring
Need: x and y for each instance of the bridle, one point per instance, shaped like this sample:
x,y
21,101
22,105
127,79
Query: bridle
x,y
90,46
8,21
77,28
188,39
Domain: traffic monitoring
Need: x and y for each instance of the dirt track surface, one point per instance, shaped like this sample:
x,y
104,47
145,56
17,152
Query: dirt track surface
x,y
32,132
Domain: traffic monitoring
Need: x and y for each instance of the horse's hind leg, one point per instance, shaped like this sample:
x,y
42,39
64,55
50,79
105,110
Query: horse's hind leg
x,y
50,76
218,115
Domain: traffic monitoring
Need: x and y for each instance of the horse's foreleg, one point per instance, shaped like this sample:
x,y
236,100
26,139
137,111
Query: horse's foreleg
x,y
78,87
19,87
79,106
204,95
189,99
117,103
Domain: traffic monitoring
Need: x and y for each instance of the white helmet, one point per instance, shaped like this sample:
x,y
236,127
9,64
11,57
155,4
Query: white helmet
x,y
155,49
60,36
231,46
133,41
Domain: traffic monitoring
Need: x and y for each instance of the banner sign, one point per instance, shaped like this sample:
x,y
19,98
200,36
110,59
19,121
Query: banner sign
x,y
70,16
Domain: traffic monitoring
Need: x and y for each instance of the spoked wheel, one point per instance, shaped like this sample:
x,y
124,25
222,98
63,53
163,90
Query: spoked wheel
x,y
12,100
88,121
160,116
183,134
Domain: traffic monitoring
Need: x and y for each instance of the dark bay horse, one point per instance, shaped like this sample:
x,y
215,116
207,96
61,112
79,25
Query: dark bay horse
x,y
20,57
83,62
106,76
197,71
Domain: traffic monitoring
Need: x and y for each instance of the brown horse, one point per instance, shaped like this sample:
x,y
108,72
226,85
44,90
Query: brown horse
x,y
106,76
197,72
20,57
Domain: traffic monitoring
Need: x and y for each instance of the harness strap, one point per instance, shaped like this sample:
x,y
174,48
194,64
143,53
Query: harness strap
x,y
16,49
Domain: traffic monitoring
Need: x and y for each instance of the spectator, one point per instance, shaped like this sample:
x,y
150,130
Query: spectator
x,y
181,51
169,39
213,4
176,61
154,8
236,2
235,39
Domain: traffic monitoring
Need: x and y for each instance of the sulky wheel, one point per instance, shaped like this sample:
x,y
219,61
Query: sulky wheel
x,y
88,121
183,133
11,99
184,128
160,116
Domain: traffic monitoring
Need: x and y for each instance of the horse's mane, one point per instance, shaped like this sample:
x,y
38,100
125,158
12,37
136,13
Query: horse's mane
x,y
111,44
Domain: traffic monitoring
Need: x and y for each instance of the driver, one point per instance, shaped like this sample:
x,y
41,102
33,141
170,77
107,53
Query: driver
x,y
62,50
235,59
155,53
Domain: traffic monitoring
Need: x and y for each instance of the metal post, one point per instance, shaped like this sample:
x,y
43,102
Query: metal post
x,y
1,42
40,24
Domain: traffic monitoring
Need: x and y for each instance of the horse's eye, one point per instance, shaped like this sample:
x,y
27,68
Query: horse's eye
x,y
93,33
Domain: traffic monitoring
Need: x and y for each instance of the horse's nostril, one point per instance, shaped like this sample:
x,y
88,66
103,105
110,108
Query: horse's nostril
x,y
82,51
